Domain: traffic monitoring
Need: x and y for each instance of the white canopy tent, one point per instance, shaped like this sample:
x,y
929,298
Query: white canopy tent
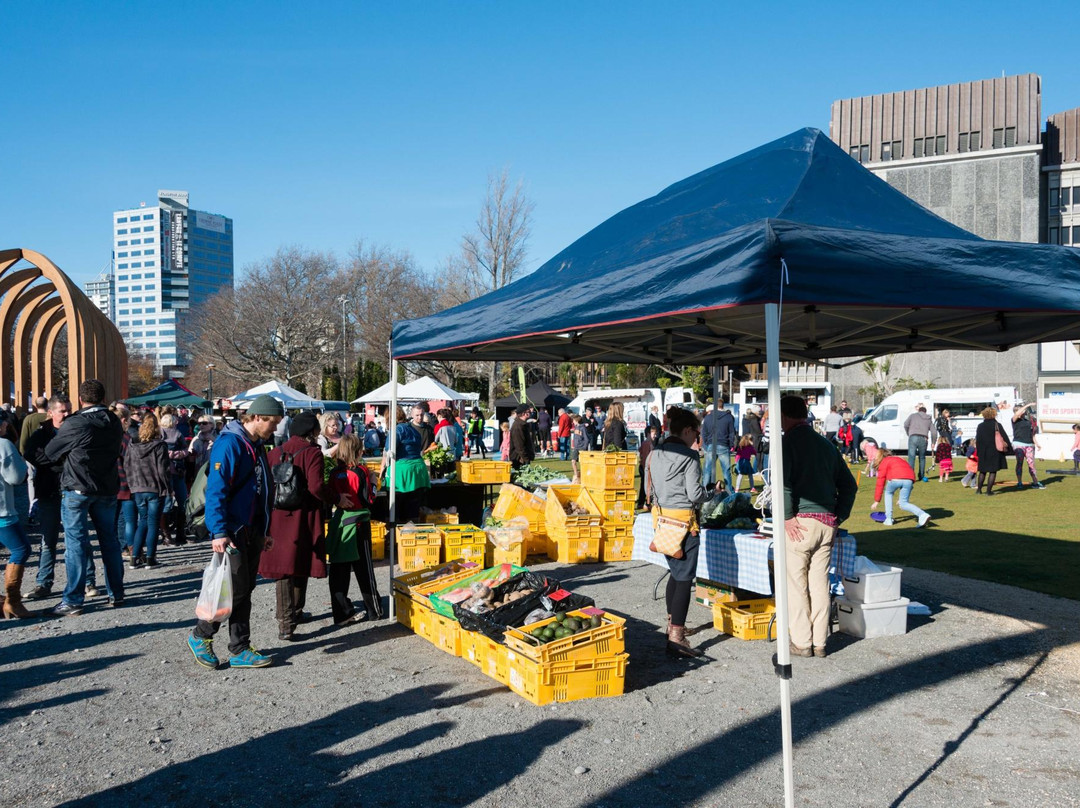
x,y
290,398
380,395
423,389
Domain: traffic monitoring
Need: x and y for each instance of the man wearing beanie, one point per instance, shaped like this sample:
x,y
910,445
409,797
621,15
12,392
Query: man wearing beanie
x,y
239,494
818,494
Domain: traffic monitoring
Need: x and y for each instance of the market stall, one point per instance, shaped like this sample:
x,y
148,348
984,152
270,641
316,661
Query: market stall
x,y
791,251
290,398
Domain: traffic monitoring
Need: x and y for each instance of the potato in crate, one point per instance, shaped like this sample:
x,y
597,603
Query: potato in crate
x,y
411,590
516,501
569,510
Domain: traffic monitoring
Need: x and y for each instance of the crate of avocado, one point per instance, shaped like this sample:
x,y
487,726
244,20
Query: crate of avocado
x,y
582,634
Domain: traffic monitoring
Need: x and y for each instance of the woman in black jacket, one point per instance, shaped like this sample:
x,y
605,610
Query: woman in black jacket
x,y
615,428
991,459
146,465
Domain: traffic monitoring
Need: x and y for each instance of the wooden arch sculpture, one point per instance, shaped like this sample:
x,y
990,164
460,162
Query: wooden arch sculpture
x,y
37,303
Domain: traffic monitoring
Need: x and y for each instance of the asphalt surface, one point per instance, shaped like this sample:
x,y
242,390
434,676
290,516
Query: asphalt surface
x,y
977,705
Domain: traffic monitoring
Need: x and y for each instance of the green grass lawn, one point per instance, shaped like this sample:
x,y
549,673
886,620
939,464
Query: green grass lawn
x,y
1024,538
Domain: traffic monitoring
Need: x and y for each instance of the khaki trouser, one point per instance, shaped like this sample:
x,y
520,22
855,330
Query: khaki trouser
x,y
808,583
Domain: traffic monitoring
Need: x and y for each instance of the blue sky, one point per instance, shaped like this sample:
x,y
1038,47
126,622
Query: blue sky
x,y
321,126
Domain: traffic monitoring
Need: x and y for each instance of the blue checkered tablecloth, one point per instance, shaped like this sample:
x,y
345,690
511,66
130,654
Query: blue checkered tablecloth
x,y
740,559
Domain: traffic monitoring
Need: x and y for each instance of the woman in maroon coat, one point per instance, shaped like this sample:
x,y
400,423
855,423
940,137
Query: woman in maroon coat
x,y
297,552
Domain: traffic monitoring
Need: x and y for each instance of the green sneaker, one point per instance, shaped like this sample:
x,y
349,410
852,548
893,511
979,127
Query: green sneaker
x,y
203,651
249,659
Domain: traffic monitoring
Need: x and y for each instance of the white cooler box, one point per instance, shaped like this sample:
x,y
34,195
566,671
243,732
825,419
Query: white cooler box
x,y
868,620
873,587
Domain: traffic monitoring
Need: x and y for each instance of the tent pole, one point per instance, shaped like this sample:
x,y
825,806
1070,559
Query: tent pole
x,y
782,659
710,451
391,527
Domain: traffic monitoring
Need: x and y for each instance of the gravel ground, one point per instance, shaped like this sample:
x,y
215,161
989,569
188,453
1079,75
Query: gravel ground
x,y
977,705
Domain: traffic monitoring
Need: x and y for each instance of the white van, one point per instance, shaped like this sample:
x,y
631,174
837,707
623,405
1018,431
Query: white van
x,y
637,403
885,423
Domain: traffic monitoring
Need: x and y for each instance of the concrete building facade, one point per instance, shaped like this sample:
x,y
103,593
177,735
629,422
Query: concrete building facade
x,y
973,154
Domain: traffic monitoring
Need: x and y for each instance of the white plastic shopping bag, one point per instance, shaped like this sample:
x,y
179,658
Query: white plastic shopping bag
x,y
215,600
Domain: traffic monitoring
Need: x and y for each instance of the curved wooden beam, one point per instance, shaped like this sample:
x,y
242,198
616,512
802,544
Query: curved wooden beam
x,y
26,309
40,381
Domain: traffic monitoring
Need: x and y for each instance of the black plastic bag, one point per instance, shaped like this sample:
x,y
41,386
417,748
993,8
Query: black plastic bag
x,y
493,624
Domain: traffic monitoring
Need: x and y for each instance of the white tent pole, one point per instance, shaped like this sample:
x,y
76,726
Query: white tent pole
x,y
710,451
782,659
391,527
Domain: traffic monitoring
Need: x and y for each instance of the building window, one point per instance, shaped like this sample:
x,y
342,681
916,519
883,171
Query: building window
x,y
136,264
147,216
1065,233
137,288
150,287
123,301
999,138
151,333
1076,235
136,322
121,220
864,154
1010,136
886,151
1055,197
917,151
123,289
940,148
149,263
962,142
122,312
1053,236
121,266
1065,194
136,252
121,244
897,149
121,232
122,255
928,147
976,141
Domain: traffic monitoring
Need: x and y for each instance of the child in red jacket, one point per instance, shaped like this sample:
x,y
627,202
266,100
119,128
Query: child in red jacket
x,y
894,474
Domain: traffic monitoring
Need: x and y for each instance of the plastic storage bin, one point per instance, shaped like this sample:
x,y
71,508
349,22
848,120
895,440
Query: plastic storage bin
x,y
464,542
560,525
378,540
608,470
483,472
617,505
418,548
868,620
618,542
874,587
543,683
745,619
605,640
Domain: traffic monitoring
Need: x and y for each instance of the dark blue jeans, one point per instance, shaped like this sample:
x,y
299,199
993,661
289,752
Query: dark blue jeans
x,y
48,511
77,511
13,537
564,448
146,532
127,517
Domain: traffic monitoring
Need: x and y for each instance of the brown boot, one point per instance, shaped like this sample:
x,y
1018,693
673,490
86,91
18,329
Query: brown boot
x,y
677,645
13,607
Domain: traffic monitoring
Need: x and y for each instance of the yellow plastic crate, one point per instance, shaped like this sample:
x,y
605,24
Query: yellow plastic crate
x,y
617,505
516,501
745,619
603,641
544,683
412,588
486,654
378,540
578,551
559,524
443,632
439,518
618,542
419,547
608,470
374,465
483,472
464,542
537,544
516,555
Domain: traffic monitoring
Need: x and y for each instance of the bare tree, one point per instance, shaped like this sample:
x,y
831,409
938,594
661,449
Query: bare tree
x,y
278,323
493,255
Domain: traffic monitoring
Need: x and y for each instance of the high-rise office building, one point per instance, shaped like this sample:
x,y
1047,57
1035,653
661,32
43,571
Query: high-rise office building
x,y
100,292
168,259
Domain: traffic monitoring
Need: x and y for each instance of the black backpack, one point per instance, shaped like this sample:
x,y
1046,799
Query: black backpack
x,y
288,484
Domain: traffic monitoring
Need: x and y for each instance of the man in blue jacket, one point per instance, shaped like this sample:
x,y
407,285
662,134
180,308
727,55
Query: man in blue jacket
x,y
239,495
718,436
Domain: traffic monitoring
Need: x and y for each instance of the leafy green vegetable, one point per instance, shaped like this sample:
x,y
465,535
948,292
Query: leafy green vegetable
x,y
532,475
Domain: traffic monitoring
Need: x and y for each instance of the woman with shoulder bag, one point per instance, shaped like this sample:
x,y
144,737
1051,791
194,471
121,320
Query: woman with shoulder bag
x,y
673,483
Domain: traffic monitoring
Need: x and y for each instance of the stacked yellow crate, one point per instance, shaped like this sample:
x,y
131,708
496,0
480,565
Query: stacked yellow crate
x,y
609,478
516,501
573,539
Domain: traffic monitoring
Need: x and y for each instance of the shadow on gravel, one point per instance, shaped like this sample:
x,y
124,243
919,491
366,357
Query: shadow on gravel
x,y
13,682
50,645
339,639
301,766
725,757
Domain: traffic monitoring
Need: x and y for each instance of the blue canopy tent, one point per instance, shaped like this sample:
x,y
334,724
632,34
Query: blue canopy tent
x,y
790,251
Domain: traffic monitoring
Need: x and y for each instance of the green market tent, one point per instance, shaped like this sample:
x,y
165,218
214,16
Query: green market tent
x,y
169,392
